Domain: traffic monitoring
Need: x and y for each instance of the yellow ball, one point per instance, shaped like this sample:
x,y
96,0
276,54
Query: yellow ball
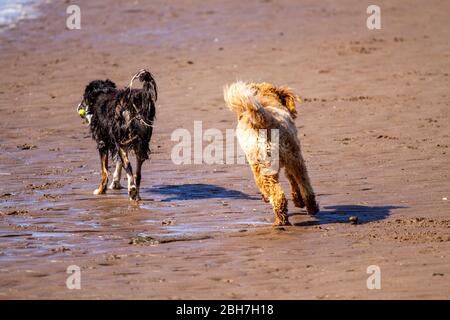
x,y
82,113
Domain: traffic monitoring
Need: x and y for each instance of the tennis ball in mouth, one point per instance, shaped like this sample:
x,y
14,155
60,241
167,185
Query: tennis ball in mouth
x,y
82,113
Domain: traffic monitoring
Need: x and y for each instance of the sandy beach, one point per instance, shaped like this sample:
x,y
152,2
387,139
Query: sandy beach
x,y
374,127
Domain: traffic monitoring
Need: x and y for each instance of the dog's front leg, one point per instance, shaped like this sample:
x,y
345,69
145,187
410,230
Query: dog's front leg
x,y
132,190
271,190
259,182
104,173
277,199
115,184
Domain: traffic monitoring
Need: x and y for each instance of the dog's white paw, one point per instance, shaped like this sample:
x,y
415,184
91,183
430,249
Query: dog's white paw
x,y
133,193
98,191
115,185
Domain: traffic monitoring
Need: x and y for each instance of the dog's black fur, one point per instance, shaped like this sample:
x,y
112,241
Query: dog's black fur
x,y
121,120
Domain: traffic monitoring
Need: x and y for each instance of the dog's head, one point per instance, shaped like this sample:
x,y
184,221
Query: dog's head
x,y
277,96
93,90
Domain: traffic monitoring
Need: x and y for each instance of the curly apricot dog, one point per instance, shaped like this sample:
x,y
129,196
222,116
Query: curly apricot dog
x,y
264,107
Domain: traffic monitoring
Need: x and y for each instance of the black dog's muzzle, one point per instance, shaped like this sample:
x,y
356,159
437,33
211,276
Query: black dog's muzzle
x,y
82,110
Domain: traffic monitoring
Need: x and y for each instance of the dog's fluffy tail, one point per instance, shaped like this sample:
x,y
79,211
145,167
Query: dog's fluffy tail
x,y
149,83
240,98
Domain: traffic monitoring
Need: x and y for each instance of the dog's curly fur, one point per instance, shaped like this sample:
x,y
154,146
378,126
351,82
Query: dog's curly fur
x,y
120,121
264,106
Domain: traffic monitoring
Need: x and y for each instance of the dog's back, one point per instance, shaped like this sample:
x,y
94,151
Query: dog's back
x,y
136,112
124,118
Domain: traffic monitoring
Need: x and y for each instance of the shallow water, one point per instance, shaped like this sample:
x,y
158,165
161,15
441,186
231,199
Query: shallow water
x,y
12,11
60,213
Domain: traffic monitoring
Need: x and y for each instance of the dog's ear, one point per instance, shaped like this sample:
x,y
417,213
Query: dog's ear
x,y
288,99
96,87
108,84
284,95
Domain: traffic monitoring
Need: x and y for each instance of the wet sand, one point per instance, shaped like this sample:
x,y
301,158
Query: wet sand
x,y
374,127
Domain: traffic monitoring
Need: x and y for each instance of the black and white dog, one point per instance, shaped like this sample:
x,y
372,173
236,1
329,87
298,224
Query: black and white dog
x,y
121,121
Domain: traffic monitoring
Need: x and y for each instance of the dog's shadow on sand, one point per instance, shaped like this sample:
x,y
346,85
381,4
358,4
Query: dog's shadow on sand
x,y
327,214
342,213
197,191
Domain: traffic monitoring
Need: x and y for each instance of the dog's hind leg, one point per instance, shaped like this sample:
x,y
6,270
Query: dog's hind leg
x,y
104,173
295,190
115,184
132,190
306,190
139,162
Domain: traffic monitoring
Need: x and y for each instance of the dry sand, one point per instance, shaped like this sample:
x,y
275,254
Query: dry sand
x,y
374,128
